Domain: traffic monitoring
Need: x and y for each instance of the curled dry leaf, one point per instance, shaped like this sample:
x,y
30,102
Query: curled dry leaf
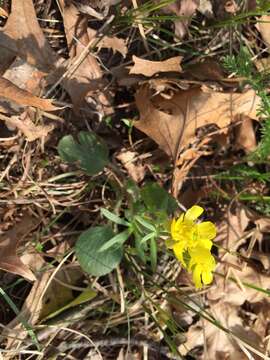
x,y
172,123
9,241
185,9
88,74
110,42
263,26
31,131
23,36
134,167
150,68
11,92
245,135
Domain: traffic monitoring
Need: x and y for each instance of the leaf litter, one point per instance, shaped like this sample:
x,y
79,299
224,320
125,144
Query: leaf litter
x,y
183,107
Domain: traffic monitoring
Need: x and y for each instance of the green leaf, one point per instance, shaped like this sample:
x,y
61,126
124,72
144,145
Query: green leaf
x,y
147,237
89,151
114,218
118,239
145,223
86,295
153,254
157,199
88,247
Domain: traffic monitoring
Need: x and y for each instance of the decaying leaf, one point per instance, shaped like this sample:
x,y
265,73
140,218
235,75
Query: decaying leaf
x,y
88,74
31,131
12,92
110,42
133,166
216,341
185,9
9,241
245,135
263,26
23,36
39,304
176,123
150,68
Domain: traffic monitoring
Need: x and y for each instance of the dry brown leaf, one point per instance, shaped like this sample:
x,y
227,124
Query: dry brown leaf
x,y
3,13
263,26
150,68
9,241
31,131
232,228
134,167
185,9
245,135
110,42
12,92
218,344
23,36
36,307
187,111
205,71
88,75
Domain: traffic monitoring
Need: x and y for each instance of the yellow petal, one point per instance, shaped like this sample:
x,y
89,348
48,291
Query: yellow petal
x,y
173,226
193,213
206,230
179,249
197,277
207,277
205,243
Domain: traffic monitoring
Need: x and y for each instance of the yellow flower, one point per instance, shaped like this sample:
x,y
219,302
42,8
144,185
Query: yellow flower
x,y
189,237
202,264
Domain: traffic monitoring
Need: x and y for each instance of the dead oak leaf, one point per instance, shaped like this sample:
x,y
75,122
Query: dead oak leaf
x,y
110,42
184,9
31,131
9,241
87,76
220,344
150,68
175,125
11,92
263,26
23,36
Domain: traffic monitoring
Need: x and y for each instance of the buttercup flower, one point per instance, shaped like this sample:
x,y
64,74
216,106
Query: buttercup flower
x,y
202,264
193,239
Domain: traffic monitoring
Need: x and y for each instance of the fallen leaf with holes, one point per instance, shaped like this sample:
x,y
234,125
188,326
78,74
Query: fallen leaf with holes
x,y
31,131
150,68
133,166
11,92
172,123
263,25
87,76
10,240
216,341
185,9
23,36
